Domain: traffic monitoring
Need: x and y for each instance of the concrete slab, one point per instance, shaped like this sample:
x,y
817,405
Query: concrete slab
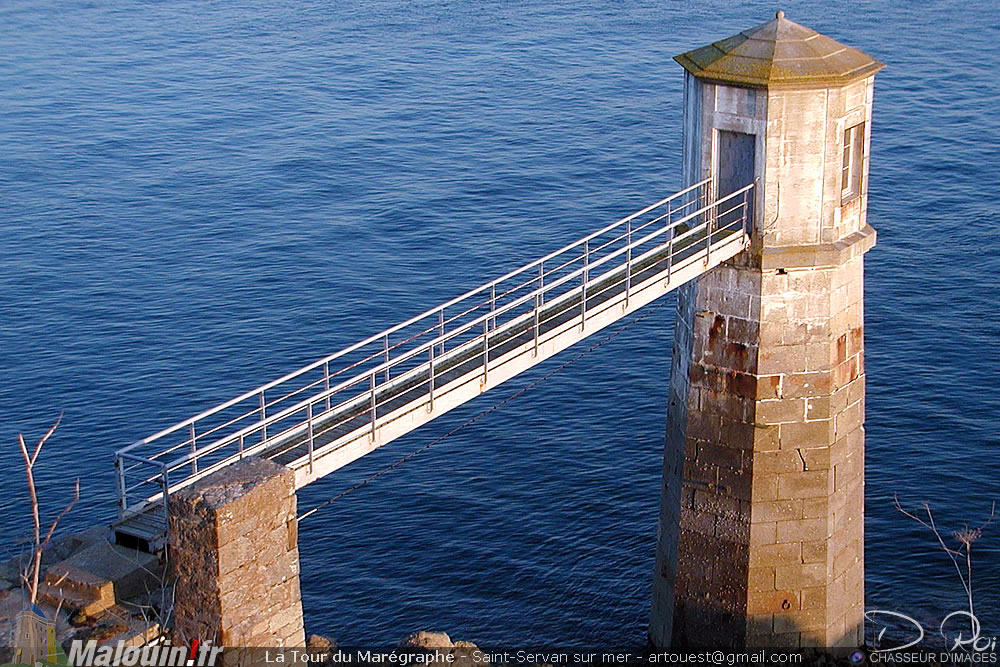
x,y
103,566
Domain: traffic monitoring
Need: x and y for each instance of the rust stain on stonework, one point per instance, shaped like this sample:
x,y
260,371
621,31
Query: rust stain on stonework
x,y
717,327
741,384
737,355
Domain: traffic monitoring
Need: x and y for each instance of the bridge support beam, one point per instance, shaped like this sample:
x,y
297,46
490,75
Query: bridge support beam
x,y
233,548
761,536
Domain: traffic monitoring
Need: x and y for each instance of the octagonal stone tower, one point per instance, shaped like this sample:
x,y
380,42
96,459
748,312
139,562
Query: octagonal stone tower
x,y
761,538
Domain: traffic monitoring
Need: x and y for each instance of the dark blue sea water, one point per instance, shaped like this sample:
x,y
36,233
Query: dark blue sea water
x,y
196,197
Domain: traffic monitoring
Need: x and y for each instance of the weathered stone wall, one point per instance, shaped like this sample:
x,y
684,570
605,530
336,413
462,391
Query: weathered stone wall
x,y
846,548
668,535
761,523
765,426
710,438
808,512
234,551
802,175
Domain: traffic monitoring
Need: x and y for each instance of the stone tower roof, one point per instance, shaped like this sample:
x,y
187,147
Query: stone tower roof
x,y
779,53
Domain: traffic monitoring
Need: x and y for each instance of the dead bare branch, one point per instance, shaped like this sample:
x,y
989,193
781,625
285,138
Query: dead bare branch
x,y
965,537
33,571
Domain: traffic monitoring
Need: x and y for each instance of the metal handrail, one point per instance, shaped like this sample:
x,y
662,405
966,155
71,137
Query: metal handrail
x,y
404,324
431,354
197,452
423,347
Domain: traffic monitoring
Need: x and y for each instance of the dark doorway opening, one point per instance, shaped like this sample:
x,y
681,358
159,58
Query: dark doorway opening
x,y
734,170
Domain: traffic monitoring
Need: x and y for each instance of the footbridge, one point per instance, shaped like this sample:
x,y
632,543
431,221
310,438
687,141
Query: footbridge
x,y
760,539
339,408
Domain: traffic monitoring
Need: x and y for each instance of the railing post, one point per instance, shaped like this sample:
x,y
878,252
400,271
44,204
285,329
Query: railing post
x,y
583,291
194,450
746,210
309,423
122,500
628,260
165,494
263,417
385,346
493,305
708,233
541,281
441,328
371,384
537,308
670,242
326,383
430,380
241,445
486,350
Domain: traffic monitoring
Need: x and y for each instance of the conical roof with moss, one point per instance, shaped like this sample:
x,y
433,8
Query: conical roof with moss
x,y
779,53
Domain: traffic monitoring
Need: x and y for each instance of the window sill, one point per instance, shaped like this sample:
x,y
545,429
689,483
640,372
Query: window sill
x,y
847,198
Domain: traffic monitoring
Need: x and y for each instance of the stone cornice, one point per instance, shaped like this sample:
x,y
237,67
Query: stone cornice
x,y
821,254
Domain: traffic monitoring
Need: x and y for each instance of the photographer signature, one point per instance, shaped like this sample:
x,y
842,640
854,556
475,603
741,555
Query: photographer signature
x,y
961,634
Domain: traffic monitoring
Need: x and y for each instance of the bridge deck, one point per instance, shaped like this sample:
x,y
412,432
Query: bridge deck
x,y
346,435
499,332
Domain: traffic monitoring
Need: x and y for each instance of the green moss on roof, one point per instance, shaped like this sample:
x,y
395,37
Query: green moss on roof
x,y
779,53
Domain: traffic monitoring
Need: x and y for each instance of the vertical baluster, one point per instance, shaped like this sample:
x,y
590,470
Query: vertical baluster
x,y
702,204
486,350
583,291
309,422
263,417
242,437
326,383
541,281
441,328
194,450
165,493
708,230
430,379
493,305
708,238
122,485
628,260
385,346
746,211
372,389
537,308
670,242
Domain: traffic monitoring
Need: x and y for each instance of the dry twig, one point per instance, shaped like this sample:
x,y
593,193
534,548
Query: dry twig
x,y
965,539
32,572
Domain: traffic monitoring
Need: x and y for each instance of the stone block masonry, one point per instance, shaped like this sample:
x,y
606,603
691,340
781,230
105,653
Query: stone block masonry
x,y
761,539
233,547
766,432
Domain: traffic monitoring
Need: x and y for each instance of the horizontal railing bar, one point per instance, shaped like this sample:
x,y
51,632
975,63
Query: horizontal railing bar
x,y
412,320
415,403
137,464
419,401
135,457
534,279
468,326
299,390
162,452
135,486
503,323
574,260
222,426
